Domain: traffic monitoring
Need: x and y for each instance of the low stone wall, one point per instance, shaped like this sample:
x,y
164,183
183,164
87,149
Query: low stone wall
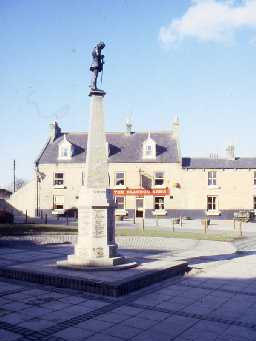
x,y
45,238
199,247
129,242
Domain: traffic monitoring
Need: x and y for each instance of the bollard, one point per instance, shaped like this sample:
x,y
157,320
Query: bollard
x,y
134,217
173,229
180,222
143,224
206,225
45,219
240,228
26,217
234,222
157,224
41,214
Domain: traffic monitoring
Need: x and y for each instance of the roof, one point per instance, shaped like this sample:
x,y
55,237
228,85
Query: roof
x,y
4,190
4,193
123,148
208,163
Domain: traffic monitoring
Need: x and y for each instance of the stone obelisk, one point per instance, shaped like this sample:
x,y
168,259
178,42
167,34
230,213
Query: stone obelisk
x,y
96,245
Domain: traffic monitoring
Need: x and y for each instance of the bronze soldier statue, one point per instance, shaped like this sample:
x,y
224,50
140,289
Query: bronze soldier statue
x,y
97,64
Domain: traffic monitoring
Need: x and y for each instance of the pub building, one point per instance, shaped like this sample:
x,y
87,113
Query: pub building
x,y
147,174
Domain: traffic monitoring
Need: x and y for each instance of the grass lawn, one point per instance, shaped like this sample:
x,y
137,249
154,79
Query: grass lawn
x,y
21,229
223,237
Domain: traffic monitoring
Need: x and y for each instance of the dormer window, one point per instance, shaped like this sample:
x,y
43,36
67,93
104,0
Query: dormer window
x,y
65,149
64,152
149,148
107,149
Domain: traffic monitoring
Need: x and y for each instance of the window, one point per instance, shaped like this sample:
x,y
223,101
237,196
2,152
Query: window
x,y
65,149
159,203
212,178
148,150
254,203
212,203
254,178
159,178
119,179
120,203
64,152
58,179
58,202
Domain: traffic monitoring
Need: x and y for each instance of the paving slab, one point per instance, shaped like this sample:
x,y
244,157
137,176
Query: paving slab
x,y
8,336
153,266
215,302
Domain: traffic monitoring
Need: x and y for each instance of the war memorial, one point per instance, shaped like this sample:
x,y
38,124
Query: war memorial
x,y
97,265
101,288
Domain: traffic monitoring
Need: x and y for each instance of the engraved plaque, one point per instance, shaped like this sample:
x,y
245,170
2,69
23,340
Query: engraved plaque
x,y
99,223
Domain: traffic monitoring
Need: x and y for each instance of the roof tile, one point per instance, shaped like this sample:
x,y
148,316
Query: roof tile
x,y
123,148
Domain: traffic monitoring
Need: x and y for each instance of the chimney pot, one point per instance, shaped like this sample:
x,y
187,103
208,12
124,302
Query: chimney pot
x,y
54,131
230,152
176,128
128,127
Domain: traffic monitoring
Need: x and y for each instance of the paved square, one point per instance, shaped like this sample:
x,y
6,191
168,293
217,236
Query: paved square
x,y
215,301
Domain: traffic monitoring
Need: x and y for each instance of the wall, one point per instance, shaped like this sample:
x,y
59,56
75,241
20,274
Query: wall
x,y
235,189
25,199
72,185
172,174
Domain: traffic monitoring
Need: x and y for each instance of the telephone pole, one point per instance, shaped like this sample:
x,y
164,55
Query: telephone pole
x,y
14,178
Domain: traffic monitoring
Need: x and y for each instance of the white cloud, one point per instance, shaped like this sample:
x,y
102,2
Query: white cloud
x,y
211,21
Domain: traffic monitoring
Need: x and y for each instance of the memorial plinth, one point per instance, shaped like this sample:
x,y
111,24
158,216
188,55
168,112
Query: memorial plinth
x,y
96,245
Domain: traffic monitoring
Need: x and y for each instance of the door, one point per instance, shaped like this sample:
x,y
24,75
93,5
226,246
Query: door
x,y
139,207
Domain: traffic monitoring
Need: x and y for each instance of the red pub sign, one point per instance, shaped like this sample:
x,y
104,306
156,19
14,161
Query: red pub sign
x,y
141,191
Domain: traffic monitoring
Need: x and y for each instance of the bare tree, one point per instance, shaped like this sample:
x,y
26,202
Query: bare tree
x,y
19,183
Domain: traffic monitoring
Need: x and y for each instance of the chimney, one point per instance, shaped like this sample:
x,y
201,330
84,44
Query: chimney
x,y
230,152
54,131
128,127
176,128
214,156
175,134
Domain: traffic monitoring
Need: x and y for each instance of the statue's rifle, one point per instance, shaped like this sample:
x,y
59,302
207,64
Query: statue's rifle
x,y
102,62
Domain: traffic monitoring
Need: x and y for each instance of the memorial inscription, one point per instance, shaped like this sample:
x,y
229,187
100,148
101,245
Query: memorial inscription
x,y
99,216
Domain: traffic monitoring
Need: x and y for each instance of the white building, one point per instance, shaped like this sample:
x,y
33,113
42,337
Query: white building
x,y
147,173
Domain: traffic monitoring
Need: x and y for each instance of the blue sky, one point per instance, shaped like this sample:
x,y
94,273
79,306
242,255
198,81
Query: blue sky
x,y
195,59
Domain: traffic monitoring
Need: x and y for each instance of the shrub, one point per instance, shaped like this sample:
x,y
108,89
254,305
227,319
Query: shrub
x,y
6,217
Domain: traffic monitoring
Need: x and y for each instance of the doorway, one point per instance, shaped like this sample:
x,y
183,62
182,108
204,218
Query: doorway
x,y
140,207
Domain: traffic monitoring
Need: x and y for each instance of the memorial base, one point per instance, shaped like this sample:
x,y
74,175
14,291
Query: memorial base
x,y
115,263
96,247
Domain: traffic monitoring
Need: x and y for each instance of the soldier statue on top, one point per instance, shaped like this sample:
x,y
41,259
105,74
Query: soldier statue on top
x,y
97,65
